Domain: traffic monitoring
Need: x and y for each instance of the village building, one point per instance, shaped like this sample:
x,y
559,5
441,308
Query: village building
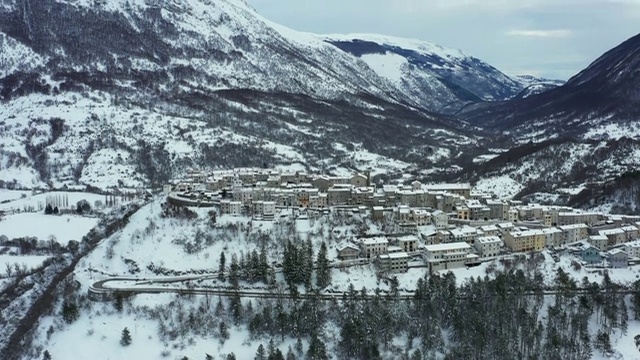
x,y
573,233
600,242
488,246
446,256
372,247
408,243
393,262
617,259
523,241
348,252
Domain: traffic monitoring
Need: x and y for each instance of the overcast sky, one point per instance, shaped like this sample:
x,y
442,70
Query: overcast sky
x,y
552,38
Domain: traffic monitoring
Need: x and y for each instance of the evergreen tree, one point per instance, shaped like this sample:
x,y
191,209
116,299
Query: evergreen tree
x,y
299,347
56,211
261,353
208,357
46,355
125,339
417,355
224,331
69,312
624,316
276,355
118,303
603,343
221,266
323,274
317,349
234,272
290,354
48,210
231,356
306,264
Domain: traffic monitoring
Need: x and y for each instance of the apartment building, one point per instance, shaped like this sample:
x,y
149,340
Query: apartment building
x,y
463,190
464,234
373,247
488,246
568,218
498,210
440,219
574,232
553,237
616,236
600,242
393,262
446,256
228,207
408,243
523,241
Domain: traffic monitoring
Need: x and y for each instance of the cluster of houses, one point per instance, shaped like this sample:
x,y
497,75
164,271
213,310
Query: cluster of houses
x,y
443,226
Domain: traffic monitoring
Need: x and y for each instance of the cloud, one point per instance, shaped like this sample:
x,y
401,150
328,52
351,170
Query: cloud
x,y
556,33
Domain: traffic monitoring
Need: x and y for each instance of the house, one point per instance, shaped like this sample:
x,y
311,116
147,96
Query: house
x,y
373,247
440,220
632,248
631,232
266,209
229,207
590,255
522,241
488,246
573,233
377,212
446,256
505,227
359,180
339,195
421,217
348,252
616,236
512,215
617,259
467,234
408,243
463,190
463,213
489,230
393,262
553,237
599,241
498,210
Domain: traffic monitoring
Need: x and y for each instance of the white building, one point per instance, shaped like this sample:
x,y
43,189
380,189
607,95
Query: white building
x,y
372,247
488,246
600,242
229,207
394,262
553,237
440,220
573,233
446,256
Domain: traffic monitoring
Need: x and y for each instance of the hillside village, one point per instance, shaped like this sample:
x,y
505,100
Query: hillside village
x,y
438,226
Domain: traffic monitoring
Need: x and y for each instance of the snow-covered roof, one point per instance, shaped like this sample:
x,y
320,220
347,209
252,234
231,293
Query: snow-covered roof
x,y
375,241
488,240
448,247
616,231
573,226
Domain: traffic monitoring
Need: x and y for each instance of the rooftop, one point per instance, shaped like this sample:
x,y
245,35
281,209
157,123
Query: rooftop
x,y
488,240
448,247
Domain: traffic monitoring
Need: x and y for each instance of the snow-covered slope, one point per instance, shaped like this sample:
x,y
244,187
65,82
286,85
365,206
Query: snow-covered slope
x,y
178,84
441,79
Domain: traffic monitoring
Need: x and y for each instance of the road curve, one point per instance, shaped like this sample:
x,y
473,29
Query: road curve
x,y
99,292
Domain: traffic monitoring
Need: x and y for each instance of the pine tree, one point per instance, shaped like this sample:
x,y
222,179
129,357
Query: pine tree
x,y
624,316
417,355
261,353
317,349
46,355
69,312
48,210
208,357
323,274
276,355
231,356
234,275
117,302
56,211
125,339
224,331
290,354
221,266
307,263
299,347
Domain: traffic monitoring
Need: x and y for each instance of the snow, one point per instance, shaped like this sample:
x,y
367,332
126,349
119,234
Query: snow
x,y
10,195
39,201
614,131
387,65
30,261
63,227
503,186
409,44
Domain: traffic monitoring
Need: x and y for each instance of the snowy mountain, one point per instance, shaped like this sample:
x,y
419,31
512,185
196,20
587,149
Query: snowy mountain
x,y
585,131
438,78
192,83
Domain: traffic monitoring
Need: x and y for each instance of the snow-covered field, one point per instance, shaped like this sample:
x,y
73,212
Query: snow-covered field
x,y
504,187
39,201
27,261
62,227
11,195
